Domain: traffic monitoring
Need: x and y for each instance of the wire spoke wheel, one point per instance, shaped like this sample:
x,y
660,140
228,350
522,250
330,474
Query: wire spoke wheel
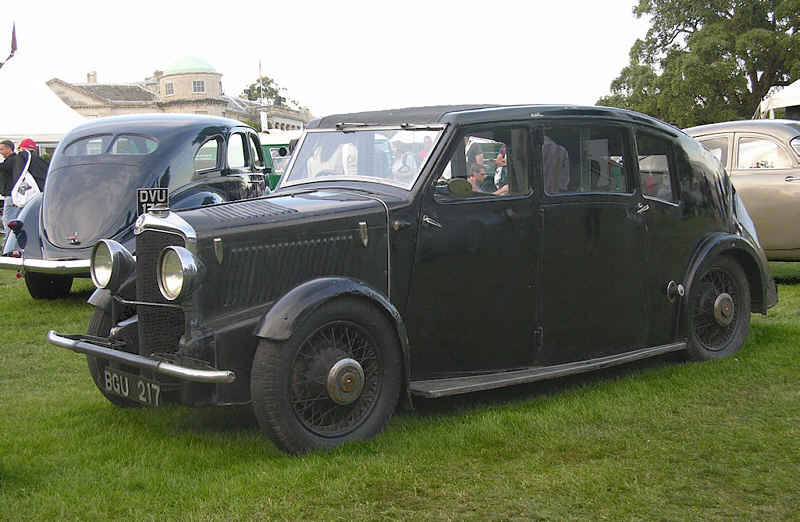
x,y
336,379
310,374
719,310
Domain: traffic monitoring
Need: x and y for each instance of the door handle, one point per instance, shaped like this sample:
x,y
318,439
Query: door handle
x,y
791,178
641,208
430,221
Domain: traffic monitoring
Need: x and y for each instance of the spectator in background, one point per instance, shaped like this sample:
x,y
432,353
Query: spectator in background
x,y
501,169
37,167
7,180
427,146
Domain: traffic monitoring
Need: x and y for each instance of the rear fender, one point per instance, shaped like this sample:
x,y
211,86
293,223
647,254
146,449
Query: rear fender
x,y
28,240
763,294
291,309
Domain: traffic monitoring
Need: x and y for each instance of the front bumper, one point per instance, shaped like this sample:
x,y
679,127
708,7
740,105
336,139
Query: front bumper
x,y
74,267
81,344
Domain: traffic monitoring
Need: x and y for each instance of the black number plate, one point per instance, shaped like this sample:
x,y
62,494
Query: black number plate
x,y
147,197
132,387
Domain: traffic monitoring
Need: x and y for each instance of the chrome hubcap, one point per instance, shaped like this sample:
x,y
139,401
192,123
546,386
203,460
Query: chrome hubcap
x,y
345,381
723,309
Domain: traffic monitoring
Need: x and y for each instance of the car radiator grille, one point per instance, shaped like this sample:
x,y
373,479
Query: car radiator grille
x,y
160,328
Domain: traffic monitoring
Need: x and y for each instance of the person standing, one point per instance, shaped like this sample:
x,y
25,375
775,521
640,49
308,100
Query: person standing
x,y
37,167
7,180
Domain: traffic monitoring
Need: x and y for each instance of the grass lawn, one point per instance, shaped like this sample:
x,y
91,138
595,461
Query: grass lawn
x,y
658,439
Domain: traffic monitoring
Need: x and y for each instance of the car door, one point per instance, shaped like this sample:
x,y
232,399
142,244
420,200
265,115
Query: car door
x,y
471,305
670,224
592,271
765,174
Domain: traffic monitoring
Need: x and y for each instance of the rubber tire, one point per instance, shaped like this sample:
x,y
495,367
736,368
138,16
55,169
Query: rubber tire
x,y
44,286
696,350
272,365
100,326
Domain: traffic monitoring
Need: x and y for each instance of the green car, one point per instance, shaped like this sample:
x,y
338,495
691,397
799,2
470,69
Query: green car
x,y
275,144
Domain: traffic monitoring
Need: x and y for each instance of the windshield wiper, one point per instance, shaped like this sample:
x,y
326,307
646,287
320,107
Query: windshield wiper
x,y
351,126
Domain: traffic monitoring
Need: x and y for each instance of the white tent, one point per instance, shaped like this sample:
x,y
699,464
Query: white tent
x,y
789,96
28,108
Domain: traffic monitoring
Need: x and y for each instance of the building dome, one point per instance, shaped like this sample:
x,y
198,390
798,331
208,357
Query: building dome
x,y
189,64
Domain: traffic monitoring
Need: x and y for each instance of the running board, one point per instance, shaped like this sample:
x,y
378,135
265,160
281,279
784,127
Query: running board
x,y
435,388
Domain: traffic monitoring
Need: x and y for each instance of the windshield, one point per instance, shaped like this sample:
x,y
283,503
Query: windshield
x,y
391,156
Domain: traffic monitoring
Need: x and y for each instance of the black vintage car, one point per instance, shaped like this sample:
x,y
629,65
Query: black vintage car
x,y
107,172
429,252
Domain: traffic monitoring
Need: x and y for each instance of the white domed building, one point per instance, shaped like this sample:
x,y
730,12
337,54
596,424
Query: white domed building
x,y
189,85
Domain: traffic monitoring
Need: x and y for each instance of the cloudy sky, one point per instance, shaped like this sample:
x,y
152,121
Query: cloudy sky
x,y
342,56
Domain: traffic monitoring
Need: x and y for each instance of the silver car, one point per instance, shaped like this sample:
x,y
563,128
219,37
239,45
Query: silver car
x,y
763,159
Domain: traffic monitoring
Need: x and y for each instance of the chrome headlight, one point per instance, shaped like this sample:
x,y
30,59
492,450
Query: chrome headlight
x,y
111,264
177,273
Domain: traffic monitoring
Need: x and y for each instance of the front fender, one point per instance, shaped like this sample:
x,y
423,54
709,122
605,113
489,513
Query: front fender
x,y
291,309
28,240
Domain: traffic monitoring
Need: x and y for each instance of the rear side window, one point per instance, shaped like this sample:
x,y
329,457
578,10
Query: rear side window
x,y
207,157
655,169
585,159
718,147
256,154
91,146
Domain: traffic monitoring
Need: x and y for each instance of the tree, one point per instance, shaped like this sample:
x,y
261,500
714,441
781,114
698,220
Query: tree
x,y
708,61
266,88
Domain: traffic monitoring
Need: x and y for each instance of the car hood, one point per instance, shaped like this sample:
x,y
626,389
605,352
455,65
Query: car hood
x,y
85,203
254,251
278,214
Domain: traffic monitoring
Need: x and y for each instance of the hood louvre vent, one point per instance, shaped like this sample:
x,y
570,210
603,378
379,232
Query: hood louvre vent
x,y
260,273
246,210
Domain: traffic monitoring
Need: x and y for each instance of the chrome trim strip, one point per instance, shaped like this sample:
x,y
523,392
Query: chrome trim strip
x,y
46,266
148,363
435,388
145,303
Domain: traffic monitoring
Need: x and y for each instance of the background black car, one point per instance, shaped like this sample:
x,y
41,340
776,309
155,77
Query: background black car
x,y
385,267
94,181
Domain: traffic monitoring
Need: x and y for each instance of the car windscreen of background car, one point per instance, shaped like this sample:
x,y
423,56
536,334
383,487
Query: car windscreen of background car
x,y
126,144
393,157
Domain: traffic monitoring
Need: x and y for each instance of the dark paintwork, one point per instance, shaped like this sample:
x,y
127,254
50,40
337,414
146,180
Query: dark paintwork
x,y
578,277
95,196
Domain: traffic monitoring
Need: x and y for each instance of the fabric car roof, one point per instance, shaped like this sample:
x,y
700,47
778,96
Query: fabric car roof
x,y
418,115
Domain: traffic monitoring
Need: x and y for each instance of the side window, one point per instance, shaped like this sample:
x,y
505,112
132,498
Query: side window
x,y
488,163
655,168
236,145
207,157
587,158
760,153
256,154
718,147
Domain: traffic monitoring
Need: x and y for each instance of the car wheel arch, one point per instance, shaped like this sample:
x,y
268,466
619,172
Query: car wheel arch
x,y
744,254
292,308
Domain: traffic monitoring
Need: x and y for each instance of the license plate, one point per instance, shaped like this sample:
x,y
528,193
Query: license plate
x,y
132,387
148,197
